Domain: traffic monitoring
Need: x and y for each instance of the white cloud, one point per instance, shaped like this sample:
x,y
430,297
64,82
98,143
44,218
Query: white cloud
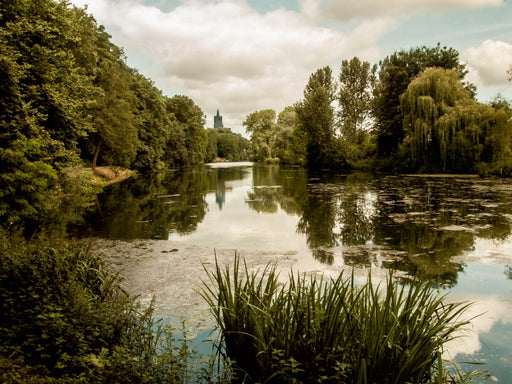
x,y
488,63
364,38
349,9
483,314
226,55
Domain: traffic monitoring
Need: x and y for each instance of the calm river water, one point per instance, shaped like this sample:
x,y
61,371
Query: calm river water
x,y
455,231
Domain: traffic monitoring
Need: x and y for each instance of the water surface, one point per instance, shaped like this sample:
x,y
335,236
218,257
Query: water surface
x,y
455,231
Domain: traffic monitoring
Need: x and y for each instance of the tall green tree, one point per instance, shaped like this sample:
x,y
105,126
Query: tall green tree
x,y
261,126
154,125
395,74
211,146
290,142
227,147
113,109
316,118
190,133
43,93
355,93
497,125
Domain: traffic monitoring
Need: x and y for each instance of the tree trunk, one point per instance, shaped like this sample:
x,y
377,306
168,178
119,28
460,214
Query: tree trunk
x,y
95,158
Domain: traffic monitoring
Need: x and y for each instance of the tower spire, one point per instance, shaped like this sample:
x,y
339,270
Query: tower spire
x,y
217,120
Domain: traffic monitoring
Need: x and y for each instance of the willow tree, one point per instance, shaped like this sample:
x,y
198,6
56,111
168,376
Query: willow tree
x,y
446,129
395,73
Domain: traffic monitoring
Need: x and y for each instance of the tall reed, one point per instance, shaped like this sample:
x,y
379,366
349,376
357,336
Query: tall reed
x,y
313,329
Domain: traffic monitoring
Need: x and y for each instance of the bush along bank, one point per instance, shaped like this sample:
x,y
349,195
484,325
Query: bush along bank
x,y
65,318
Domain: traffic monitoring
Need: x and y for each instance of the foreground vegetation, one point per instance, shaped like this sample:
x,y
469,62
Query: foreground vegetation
x,y
316,330
65,318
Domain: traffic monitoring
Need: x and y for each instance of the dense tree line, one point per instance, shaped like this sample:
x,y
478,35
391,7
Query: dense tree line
x,y
223,144
68,100
413,112
275,137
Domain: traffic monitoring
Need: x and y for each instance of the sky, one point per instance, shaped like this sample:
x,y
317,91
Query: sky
x,y
242,56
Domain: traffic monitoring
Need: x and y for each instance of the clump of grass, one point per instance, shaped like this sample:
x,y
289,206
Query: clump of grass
x,y
315,329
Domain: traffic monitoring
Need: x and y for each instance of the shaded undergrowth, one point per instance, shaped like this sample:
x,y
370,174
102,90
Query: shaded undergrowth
x,y
65,318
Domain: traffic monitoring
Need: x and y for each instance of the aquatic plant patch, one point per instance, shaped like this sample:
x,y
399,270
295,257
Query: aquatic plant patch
x,y
314,329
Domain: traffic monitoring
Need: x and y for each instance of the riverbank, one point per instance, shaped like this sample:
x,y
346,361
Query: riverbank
x,y
172,274
113,174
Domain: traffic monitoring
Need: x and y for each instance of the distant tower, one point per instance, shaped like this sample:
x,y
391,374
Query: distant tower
x,y
217,121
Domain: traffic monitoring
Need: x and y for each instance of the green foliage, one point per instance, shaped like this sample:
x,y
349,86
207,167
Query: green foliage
x,y
66,318
154,128
211,146
369,128
26,181
448,131
316,330
225,144
316,119
497,153
261,126
50,86
395,74
113,110
42,95
190,138
67,98
290,142
356,83
276,138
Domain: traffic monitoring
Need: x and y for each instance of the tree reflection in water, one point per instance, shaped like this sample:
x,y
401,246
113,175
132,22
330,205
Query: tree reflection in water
x,y
414,224
151,206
